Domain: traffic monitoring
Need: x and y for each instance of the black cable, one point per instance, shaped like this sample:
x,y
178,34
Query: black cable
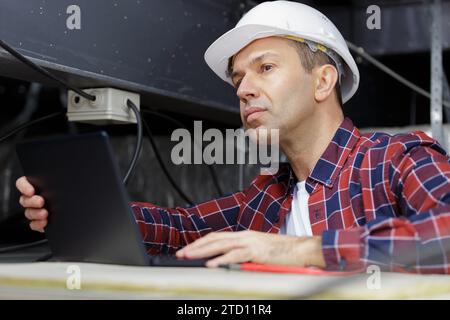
x,y
163,166
23,246
41,70
31,123
210,167
138,147
31,105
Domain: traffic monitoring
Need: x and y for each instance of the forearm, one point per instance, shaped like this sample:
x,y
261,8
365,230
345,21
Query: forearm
x,y
164,230
168,229
317,257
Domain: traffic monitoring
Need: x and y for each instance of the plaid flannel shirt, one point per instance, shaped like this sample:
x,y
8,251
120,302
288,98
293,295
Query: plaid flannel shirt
x,y
374,199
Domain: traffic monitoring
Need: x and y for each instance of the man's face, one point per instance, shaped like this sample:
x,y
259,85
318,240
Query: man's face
x,y
274,90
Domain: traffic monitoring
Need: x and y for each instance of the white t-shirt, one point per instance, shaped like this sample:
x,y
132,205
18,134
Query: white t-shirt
x,y
297,220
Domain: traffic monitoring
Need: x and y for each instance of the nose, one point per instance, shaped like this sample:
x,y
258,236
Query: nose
x,y
247,89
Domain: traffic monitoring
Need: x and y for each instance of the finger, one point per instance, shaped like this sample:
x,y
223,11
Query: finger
x,y
38,225
36,214
213,249
25,187
196,244
211,237
234,256
32,202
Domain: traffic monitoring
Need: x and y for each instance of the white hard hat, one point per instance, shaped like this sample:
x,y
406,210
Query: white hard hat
x,y
288,19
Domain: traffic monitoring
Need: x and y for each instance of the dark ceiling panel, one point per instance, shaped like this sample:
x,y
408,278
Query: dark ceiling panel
x,y
150,46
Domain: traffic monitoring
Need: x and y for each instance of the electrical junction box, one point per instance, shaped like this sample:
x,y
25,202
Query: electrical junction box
x,y
109,107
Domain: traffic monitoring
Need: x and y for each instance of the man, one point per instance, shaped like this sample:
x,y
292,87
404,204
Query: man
x,y
344,201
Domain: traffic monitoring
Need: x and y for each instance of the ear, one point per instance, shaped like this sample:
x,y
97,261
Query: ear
x,y
325,80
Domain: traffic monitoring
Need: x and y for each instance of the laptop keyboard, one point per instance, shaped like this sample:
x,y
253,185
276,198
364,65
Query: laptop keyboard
x,y
173,261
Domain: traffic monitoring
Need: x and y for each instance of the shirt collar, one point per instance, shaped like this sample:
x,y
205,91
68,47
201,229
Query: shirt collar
x,y
332,160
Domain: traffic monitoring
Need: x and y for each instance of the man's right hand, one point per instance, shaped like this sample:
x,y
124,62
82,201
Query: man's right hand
x,y
33,204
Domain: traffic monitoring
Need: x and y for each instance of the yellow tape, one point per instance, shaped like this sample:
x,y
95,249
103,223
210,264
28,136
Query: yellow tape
x,y
321,47
295,38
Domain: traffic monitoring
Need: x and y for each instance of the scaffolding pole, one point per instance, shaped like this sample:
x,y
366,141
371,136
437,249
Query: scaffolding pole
x,y
436,113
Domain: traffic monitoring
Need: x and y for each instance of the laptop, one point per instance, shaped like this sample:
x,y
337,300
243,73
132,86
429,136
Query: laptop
x,y
90,216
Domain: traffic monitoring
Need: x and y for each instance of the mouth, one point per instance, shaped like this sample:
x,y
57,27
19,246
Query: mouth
x,y
252,113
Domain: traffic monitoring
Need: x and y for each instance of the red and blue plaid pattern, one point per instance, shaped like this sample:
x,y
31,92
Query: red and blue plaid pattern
x,y
374,199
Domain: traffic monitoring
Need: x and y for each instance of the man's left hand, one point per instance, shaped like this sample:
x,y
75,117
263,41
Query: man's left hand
x,y
253,246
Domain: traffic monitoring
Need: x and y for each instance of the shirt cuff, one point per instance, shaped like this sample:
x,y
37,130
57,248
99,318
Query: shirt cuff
x,y
342,249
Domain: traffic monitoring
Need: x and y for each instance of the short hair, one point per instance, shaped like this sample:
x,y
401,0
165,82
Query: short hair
x,y
309,59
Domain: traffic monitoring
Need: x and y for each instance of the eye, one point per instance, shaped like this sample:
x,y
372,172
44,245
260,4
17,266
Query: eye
x,y
266,67
237,84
